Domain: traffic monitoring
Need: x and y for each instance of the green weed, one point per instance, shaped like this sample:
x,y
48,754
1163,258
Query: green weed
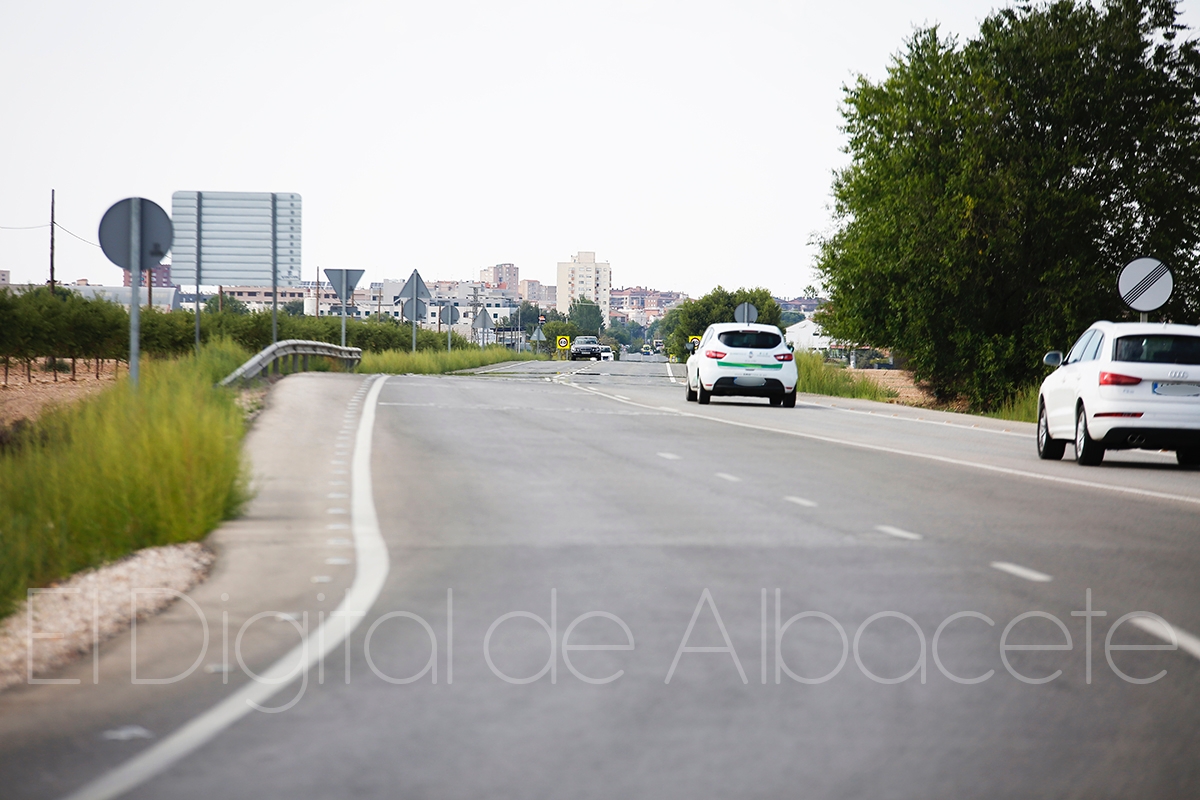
x,y
817,377
431,362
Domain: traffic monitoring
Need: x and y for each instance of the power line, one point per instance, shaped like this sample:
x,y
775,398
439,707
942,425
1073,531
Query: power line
x,y
77,236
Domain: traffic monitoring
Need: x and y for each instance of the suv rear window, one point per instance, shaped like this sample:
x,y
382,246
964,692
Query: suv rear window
x,y
1158,349
758,340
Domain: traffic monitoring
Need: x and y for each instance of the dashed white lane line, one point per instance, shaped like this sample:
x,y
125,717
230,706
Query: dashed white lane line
x,y
958,462
669,456
1186,641
725,476
800,501
899,533
371,555
1021,572
671,374
620,397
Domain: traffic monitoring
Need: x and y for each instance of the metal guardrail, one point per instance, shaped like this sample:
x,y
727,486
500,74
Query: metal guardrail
x,y
269,358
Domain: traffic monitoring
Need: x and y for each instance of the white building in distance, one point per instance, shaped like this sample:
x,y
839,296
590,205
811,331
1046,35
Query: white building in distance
x,y
583,276
501,276
5,277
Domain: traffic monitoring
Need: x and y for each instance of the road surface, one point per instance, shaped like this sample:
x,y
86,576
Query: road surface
x,y
515,504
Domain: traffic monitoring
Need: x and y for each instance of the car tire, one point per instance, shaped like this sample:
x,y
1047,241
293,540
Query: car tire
x,y
702,394
1048,449
1088,452
776,400
691,393
1188,456
789,399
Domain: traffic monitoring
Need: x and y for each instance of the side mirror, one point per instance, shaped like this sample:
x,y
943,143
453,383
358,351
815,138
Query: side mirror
x,y
1053,359
791,347
693,346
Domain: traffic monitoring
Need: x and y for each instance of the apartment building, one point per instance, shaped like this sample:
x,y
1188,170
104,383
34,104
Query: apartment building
x,y
5,278
501,276
583,276
160,276
641,305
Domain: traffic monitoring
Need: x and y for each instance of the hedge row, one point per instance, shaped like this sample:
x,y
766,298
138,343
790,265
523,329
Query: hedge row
x,y
40,324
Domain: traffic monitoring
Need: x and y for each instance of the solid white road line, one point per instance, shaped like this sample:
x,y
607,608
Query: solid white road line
x,y
669,456
1187,642
899,533
371,554
671,374
800,501
1021,572
877,448
725,476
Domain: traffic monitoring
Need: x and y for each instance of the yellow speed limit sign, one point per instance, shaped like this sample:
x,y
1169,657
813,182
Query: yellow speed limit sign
x,y
693,342
564,342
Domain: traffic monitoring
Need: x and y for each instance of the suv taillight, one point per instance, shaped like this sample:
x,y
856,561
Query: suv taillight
x,y
1115,379
714,354
783,357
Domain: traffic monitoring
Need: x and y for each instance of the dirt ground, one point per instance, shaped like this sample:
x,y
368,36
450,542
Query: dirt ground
x,y
20,399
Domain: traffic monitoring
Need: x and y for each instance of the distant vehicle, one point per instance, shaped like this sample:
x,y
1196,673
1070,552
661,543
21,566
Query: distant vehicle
x,y
606,353
647,350
1123,385
734,358
658,345
585,347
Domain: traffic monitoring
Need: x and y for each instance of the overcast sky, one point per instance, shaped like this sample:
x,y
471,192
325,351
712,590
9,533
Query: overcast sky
x,y
688,143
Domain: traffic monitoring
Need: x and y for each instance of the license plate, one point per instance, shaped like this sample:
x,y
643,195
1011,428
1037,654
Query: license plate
x,y
1177,389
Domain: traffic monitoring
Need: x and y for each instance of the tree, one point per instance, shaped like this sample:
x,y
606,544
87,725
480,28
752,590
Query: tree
x,y
692,317
996,189
293,308
228,305
789,318
587,316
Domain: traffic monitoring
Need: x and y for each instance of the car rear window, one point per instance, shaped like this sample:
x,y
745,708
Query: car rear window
x,y
759,340
1158,349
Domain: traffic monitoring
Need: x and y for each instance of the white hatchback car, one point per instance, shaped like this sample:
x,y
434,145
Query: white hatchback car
x,y
1123,385
733,358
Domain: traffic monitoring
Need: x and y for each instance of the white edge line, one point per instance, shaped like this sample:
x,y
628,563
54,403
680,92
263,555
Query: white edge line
x,y
941,423
371,572
669,456
1187,642
727,477
899,533
1021,572
958,462
671,374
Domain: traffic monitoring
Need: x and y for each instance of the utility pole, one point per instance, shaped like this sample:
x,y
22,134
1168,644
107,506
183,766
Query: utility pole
x,y
51,241
474,308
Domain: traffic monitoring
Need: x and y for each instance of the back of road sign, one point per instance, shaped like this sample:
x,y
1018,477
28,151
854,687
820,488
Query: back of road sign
x,y
156,233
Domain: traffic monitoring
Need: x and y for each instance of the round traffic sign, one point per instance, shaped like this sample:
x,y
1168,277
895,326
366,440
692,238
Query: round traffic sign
x,y
410,313
745,313
155,228
448,315
1145,284
564,342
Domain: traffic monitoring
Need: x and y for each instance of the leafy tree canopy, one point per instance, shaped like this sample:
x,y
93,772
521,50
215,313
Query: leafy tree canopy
x,y
996,189
692,317
586,315
227,304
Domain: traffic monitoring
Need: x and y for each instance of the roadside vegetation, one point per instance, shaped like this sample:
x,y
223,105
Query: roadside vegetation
x,y
996,186
431,362
1020,407
89,483
818,377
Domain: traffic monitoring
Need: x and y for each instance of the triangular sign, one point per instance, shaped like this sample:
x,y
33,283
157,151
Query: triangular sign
x,y
538,336
422,289
483,320
344,289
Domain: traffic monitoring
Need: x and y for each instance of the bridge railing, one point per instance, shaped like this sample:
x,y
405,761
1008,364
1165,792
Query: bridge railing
x,y
270,358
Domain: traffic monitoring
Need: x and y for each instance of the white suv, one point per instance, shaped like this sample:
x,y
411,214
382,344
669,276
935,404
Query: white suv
x,y
1123,385
742,359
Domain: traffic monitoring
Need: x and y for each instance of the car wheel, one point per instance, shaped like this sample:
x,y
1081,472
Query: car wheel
x,y
789,399
1188,456
1088,451
691,393
702,394
776,399
1048,449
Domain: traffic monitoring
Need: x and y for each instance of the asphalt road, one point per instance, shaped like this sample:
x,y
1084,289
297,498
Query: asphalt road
x,y
558,490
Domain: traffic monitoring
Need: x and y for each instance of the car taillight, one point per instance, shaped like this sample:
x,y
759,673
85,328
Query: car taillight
x,y
783,357
1115,379
714,354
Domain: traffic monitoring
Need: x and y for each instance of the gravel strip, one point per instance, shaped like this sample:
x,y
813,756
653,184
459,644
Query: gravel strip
x,y
105,592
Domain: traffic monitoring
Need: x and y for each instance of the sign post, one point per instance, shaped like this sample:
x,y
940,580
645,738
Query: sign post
x,y
417,291
449,315
537,338
343,281
564,343
482,323
132,231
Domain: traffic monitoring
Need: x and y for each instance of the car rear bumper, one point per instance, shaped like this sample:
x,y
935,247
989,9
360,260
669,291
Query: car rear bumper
x,y
771,387
1127,436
